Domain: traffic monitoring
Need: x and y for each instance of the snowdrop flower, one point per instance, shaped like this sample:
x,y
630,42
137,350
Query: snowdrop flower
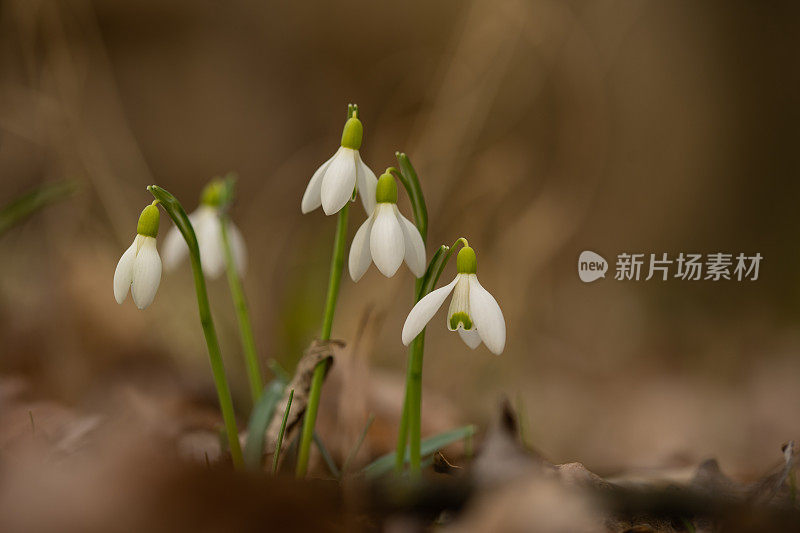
x,y
207,227
334,183
139,268
386,237
474,313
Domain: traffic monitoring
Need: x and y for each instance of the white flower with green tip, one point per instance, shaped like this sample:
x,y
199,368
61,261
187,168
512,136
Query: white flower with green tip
x,y
336,180
139,268
386,237
473,312
208,230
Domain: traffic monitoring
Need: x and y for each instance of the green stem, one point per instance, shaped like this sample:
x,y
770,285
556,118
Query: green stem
x,y
402,430
414,402
243,316
408,177
337,264
178,215
423,282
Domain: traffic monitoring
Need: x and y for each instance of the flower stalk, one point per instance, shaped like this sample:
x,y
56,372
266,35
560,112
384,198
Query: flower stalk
x,y
181,220
410,419
337,264
237,295
243,317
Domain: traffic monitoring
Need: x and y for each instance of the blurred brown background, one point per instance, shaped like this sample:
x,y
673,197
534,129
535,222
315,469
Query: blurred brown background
x,y
539,129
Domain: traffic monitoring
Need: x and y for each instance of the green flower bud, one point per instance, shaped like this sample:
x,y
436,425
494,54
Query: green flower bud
x,y
386,190
148,221
212,193
466,261
352,133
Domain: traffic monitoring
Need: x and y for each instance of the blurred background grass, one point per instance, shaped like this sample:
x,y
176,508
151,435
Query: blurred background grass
x,y
539,129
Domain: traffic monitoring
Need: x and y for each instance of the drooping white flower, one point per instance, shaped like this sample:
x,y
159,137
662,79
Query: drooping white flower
x,y
139,268
473,312
334,182
386,237
208,229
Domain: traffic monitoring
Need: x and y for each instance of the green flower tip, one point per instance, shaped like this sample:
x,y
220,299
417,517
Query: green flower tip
x,y
212,193
466,261
148,221
352,133
460,318
386,190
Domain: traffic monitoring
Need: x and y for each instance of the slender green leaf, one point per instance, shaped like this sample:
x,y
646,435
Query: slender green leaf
x,y
27,204
279,442
354,451
326,456
435,266
278,371
259,420
385,463
408,177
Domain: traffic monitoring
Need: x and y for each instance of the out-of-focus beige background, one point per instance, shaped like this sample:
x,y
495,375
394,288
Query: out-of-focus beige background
x,y
539,129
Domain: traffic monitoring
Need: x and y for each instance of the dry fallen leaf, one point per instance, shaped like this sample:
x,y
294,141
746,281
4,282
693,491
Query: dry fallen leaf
x,y
319,351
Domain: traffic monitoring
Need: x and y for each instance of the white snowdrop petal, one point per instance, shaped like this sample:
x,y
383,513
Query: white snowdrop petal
x,y
367,183
174,248
146,273
312,198
339,181
386,240
414,247
209,241
360,257
422,313
470,337
238,248
200,218
488,317
123,275
201,226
